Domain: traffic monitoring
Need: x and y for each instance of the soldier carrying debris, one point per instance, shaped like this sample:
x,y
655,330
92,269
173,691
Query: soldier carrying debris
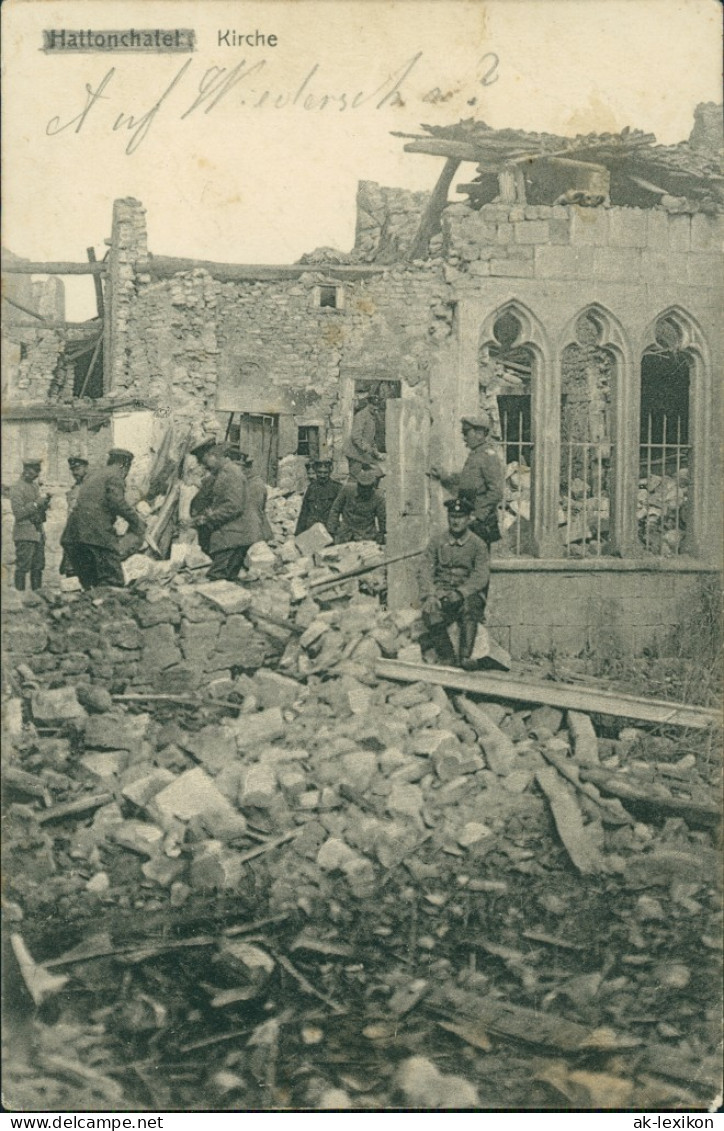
x,y
361,447
90,539
318,497
358,513
482,478
453,579
29,510
259,527
223,514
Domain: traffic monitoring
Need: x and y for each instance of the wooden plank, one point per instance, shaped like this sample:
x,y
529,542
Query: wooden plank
x,y
651,796
164,266
577,841
589,699
97,282
16,267
444,147
611,810
430,220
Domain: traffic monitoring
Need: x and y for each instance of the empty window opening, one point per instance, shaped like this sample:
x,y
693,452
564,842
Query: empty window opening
x,y
587,381
505,373
328,297
664,451
308,441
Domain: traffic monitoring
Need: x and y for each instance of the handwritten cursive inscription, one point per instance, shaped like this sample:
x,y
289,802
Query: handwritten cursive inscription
x,y
215,86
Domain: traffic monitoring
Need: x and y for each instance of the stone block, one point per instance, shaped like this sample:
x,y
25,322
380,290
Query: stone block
x,y
560,231
178,680
163,870
589,226
213,746
357,769
215,868
512,268
96,700
144,788
311,541
614,264
405,800
258,786
25,639
679,233
473,832
150,613
115,732
657,229
239,645
60,705
479,268
261,558
569,639
546,717
559,262
257,729
123,634
54,752
705,232
228,596
160,649
107,764
532,231
194,794
627,227
274,690
137,836
427,741
73,663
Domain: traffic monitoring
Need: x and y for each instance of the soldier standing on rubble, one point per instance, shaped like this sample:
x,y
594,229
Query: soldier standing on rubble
x,y
358,513
259,527
29,510
202,498
78,469
453,579
482,478
224,514
318,497
90,539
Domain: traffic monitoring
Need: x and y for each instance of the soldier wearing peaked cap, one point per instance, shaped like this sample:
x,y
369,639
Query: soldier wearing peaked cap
x,y
78,469
222,515
89,539
318,497
29,511
453,579
482,477
359,513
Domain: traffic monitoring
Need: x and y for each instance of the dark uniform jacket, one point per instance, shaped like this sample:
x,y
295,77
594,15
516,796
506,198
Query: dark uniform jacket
x,y
454,563
317,503
28,511
101,500
225,515
358,518
482,479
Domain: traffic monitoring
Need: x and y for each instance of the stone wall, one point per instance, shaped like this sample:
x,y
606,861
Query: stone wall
x,y
617,610
387,221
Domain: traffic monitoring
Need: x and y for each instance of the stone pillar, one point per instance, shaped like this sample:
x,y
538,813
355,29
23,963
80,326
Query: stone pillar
x,y
407,494
545,481
128,257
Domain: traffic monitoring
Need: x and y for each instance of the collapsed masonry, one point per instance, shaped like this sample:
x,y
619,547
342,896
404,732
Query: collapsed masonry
x,y
574,296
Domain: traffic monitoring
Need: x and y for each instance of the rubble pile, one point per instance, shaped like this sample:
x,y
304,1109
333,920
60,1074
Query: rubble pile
x,y
321,887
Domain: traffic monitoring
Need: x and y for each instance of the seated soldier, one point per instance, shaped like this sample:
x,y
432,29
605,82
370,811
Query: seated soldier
x,y
453,578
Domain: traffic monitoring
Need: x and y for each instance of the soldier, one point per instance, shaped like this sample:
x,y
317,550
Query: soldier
x,y
318,497
78,469
453,579
361,447
259,525
92,543
482,478
29,510
358,513
202,498
224,515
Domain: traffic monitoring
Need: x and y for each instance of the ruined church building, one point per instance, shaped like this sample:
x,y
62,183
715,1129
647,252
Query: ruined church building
x,y
573,291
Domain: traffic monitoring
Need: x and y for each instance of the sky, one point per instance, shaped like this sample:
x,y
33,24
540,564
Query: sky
x,y
252,153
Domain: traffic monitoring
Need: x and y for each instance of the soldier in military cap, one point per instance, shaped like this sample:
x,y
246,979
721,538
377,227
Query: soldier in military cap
x,y
29,511
92,544
78,469
223,513
482,478
319,496
358,514
453,578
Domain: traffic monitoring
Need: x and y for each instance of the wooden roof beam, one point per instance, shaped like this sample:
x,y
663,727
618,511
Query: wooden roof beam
x,y
18,267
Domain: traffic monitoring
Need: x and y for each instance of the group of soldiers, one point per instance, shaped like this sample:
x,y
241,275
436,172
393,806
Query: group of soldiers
x,y
228,513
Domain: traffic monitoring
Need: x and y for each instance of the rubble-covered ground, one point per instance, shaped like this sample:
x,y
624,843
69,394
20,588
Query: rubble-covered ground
x,y
242,871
